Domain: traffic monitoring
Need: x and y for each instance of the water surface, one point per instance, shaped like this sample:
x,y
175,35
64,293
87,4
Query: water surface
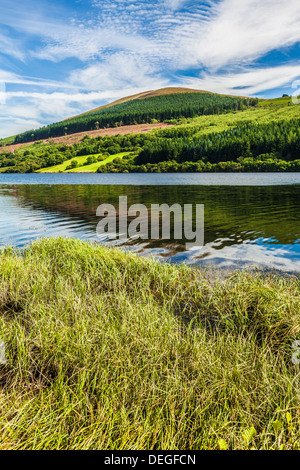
x,y
155,179
250,219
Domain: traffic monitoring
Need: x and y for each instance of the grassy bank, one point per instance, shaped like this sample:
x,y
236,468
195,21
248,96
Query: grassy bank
x,y
107,350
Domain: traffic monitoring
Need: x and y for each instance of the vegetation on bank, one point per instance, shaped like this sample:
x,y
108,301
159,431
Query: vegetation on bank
x,y
263,163
107,350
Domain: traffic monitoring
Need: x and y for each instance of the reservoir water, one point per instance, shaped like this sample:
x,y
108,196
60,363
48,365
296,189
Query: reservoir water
x,y
251,219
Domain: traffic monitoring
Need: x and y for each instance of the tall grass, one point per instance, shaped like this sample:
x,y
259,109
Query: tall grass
x,y
107,350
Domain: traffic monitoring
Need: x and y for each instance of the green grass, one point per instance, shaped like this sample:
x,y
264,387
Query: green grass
x,y
94,166
81,168
62,167
108,350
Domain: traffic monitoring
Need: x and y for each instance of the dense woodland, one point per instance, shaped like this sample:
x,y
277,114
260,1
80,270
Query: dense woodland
x,y
247,140
139,111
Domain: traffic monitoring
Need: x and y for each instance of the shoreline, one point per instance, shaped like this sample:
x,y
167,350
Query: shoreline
x,y
107,350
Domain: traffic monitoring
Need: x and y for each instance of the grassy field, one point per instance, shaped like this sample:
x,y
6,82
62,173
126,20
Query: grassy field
x,y
107,350
62,168
94,166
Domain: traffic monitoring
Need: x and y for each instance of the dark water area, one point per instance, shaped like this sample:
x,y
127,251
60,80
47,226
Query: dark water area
x,y
250,219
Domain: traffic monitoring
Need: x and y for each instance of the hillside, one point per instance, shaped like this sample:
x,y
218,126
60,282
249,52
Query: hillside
x,y
263,137
70,139
163,92
9,141
146,108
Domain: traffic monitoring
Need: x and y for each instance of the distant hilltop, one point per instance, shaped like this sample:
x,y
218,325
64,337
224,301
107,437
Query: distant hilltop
x,y
150,107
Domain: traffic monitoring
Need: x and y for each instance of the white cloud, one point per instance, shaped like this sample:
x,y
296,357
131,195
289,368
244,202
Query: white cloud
x,y
47,105
9,127
118,72
228,33
238,32
11,47
248,82
210,34
174,4
86,43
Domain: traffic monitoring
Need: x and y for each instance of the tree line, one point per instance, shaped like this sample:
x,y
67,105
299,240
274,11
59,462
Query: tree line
x,y
245,140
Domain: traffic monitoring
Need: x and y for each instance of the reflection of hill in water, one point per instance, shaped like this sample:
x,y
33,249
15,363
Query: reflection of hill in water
x,y
232,214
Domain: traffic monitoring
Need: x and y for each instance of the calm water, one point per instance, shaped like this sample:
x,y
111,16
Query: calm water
x,y
250,219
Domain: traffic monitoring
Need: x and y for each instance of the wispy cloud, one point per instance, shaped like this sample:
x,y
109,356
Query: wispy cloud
x,y
248,82
10,47
119,71
174,4
12,126
212,35
238,32
86,43
13,78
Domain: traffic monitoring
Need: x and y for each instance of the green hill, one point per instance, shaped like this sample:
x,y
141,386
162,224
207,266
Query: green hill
x,y
256,135
149,107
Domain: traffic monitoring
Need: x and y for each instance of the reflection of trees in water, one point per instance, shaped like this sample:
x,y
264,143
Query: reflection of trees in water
x,y
232,214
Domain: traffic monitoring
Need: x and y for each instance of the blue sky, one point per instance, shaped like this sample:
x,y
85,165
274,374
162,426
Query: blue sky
x,y
61,57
